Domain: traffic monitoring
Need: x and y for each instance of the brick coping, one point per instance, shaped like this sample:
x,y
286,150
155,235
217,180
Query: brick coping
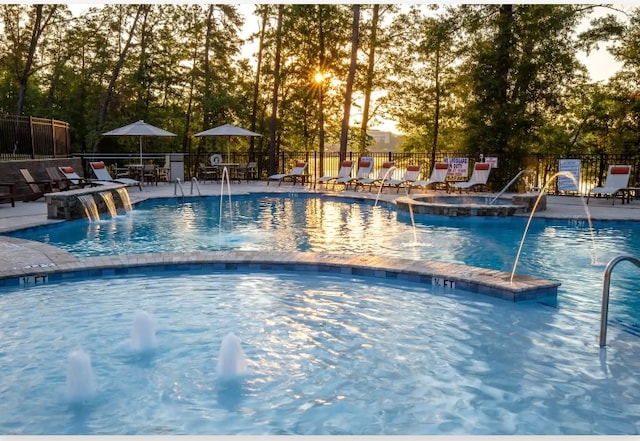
x,y
446,276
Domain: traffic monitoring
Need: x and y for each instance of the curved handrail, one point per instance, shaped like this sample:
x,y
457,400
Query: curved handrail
x,y
175,187
195,180
520,173
605,293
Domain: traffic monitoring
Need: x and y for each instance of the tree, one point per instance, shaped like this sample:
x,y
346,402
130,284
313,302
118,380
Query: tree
x,y
102,111
522,57
273,149
349,87
428,91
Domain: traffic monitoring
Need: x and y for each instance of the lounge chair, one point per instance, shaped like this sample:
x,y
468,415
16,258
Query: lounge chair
x,y
438,176
479,177
36,190
59,181
102,174
365,165
76,181
384,173
344,173
6,193
617,180
299,171
411,174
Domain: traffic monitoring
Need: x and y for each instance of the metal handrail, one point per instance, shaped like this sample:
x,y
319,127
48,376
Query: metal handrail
x,y
195,180
175,187
520,173
605,293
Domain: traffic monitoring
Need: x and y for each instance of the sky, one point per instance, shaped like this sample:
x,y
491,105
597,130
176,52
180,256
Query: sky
x,y
600,63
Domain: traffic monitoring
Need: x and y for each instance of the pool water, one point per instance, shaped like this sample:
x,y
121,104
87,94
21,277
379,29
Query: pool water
x,y
326,355
560,250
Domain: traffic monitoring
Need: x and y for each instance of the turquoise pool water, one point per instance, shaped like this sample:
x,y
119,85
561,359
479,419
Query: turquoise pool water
x,y
561,250
325,355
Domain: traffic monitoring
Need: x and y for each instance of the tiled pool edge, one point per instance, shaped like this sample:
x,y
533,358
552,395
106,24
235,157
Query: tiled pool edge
x,y
445,275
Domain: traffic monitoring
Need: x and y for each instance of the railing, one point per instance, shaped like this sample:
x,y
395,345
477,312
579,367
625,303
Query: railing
x,y
28,137
592,169
515,178
176,186
194,180
605,293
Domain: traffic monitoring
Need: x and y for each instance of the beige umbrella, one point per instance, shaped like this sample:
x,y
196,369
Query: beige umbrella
x,y
227,130
141,129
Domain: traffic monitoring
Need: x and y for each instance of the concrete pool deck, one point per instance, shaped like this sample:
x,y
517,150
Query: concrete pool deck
x,y
26,260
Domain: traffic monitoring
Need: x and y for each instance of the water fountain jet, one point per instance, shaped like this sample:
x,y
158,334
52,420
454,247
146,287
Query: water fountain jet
x,y
143,336
80,379
231,359
569,175
225,173
384,178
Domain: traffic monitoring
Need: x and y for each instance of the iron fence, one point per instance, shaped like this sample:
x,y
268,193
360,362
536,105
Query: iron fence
x,y
542,169
28,137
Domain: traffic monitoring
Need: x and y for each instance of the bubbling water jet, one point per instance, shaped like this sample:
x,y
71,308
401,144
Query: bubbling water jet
x,y
80,379
143,335
231,359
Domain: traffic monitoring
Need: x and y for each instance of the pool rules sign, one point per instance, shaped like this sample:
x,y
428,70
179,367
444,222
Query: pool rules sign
x,y
565,183
458,169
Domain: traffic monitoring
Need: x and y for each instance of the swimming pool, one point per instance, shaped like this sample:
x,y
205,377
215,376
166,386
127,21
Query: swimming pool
x,y
560,250
326,355
508,363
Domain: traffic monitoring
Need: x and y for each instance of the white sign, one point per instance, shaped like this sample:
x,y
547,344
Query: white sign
x,y
572,166
458,169
493,160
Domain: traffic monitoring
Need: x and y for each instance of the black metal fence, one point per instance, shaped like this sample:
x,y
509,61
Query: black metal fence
x,y
542,169
25,137
28,137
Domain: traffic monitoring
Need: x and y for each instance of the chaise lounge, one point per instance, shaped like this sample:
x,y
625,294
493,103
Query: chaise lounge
x,y
616,183
297,172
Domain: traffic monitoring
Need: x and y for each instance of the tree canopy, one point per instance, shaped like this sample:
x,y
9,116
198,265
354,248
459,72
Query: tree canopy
x,y
482,79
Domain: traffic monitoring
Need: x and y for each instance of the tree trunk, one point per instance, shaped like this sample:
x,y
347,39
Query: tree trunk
x,y
38,28
321,92
186,140
503,68
344,134
256,88
102,112
206,111
369,80
436,113
273,150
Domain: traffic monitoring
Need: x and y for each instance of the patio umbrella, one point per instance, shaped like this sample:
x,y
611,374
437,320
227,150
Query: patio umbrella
x,y
141,129
227,130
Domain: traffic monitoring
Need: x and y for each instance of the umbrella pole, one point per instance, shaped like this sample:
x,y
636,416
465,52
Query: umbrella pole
x,y
228,150
141,150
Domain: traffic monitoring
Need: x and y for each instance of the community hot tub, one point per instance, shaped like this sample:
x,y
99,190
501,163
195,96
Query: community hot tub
x,y
471,205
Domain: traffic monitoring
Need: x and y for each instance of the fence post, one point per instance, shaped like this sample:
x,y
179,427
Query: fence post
x,y
53,136
601,167
33,146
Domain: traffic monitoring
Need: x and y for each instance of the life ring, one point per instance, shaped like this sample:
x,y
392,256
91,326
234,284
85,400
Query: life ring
x,y
215,159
